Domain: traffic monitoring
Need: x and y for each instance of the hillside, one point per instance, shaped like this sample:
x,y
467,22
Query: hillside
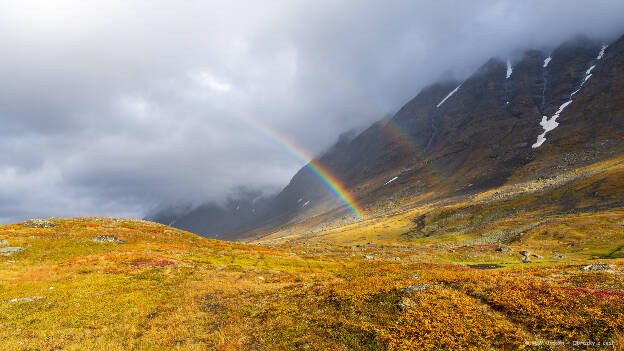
x,y
118,284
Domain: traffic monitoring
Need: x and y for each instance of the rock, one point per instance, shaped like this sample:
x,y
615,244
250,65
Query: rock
x,y
525,253
8,251
39,223
417,287
414,276
24,299
502,249
536,256
526,259
4,243
106,239
395,259
599,267
556,256
355,247
369,257
405,304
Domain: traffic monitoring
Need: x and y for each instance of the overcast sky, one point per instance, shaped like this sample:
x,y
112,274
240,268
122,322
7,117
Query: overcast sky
x,y
112,108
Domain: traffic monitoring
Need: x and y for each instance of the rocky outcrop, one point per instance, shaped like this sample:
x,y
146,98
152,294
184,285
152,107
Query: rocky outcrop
x,y
39,223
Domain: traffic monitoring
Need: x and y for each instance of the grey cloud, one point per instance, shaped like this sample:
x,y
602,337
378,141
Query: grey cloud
x,y
113,108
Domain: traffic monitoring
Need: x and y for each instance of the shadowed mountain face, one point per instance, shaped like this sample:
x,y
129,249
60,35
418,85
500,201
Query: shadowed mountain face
x,y
213,220
455,138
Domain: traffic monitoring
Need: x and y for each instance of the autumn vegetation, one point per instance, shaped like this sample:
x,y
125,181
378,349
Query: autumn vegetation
x,y
163,288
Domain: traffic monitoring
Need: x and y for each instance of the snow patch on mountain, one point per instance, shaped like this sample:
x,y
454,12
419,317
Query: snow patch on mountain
x,y
602,51
549,124
547,61
449,95
391,180
306,203
509,69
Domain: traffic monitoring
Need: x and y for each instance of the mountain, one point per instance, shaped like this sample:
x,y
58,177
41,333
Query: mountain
x,y
213,219
457,138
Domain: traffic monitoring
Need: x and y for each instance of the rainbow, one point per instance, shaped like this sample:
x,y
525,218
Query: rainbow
x,y
333,183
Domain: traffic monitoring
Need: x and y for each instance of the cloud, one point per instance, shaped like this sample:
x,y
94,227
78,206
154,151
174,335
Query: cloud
x,y
117,107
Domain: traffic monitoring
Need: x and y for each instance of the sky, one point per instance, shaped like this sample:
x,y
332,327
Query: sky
x,y
115,108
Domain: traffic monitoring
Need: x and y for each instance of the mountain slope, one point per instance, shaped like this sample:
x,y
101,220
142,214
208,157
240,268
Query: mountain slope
x,y
516,120
459,138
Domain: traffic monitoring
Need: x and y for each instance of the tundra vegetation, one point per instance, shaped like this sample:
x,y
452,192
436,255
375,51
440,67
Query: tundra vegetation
x,y
149,286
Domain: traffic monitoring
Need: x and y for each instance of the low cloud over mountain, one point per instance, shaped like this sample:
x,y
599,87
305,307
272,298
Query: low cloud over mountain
x,y
117,108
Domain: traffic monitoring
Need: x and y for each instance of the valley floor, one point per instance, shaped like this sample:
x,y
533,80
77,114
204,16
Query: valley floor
x,y
74,288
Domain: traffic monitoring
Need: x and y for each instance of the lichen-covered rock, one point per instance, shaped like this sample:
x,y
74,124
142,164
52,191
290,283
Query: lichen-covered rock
x,y
106,239
39,223
4,243
556,256
599,267
8,251
369,257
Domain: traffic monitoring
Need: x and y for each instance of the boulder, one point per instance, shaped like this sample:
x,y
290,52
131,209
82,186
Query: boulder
x,y
39,223
4,243
599,267
526,259
106,239
369,257
556,256
525,253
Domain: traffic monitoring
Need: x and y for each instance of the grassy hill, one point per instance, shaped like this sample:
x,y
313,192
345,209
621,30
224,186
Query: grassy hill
x,y
163,288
